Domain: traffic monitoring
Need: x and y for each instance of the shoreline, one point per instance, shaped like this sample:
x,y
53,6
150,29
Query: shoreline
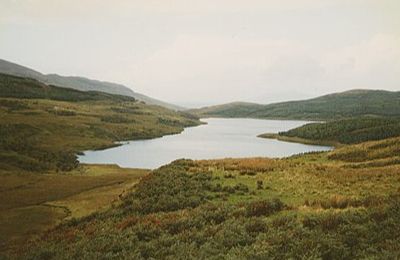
x,y
203,122
265,118
299,140
118,143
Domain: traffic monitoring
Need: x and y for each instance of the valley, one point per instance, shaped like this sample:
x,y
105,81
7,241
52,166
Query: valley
x,y
337,204
204,130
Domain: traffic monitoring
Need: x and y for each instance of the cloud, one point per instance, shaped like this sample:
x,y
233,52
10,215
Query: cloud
x,y
381,48
258,69
374,63
226,65
60,10
213,50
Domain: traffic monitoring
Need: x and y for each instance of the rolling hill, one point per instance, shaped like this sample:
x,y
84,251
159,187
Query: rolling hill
x,y
43,127
234,109
359,102
343,131
79,83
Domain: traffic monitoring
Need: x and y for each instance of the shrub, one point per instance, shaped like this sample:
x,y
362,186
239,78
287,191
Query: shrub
x,y
217,188
228,189
128,222
116,119
264,207
62,112
67,161
13,104
168,189
214,214
260,185
229,176
283,221
255,225
326,222
241,187
248,172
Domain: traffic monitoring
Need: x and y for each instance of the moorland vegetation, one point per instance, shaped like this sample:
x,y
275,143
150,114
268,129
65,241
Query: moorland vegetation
x,y
341,204
307,206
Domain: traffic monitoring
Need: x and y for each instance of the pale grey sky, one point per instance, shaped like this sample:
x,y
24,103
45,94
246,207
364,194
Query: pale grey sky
x,y
208,52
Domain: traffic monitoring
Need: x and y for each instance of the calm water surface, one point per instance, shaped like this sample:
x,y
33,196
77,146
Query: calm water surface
x,y
220,138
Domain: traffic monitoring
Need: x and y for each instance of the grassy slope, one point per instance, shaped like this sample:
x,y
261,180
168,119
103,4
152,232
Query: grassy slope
x,y
41,129
348,131
334,106
35,117
308,206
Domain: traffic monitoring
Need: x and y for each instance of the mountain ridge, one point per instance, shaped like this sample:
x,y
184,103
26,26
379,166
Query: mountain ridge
x,y
79,83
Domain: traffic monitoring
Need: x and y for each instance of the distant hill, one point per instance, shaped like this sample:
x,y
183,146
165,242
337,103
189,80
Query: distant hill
x,y
359,102
234,109
20,87
79,83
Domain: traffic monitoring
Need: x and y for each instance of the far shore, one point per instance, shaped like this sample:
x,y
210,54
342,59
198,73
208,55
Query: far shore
x,y
299,140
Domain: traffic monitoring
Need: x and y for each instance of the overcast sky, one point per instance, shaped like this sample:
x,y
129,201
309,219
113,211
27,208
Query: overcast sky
x,y
207,52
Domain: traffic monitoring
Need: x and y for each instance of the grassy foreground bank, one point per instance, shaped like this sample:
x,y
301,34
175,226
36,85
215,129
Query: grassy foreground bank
x,y
342,204
32,203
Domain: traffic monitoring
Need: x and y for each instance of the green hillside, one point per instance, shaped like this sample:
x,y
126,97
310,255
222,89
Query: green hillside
x,y
43,127
346,131
334,106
